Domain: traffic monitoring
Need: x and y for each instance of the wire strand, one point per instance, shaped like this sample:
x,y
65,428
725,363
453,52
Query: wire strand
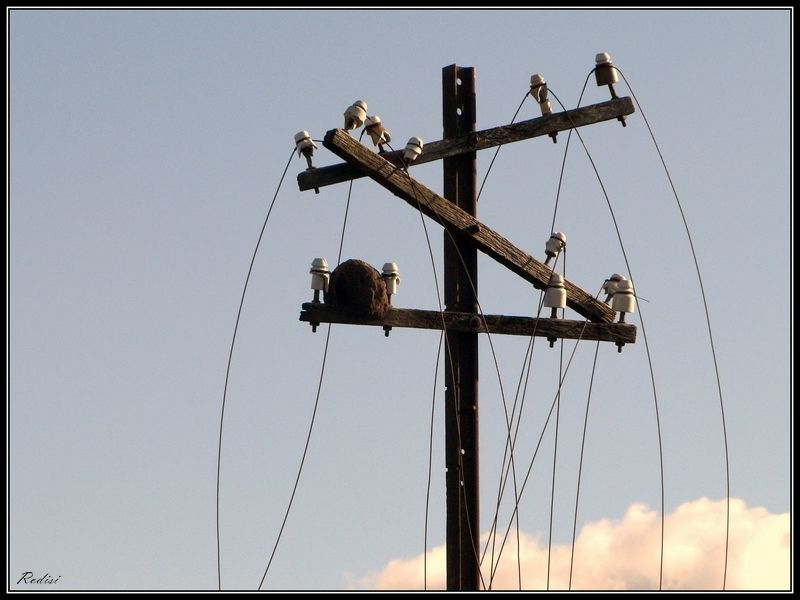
x,y
708,326
230,358
496,152
491,345
505,468
539,442
646,343
555,440
529,351
566,151
314,412
524,375
456,391
580,464
488,336
509,443
477,303
430,463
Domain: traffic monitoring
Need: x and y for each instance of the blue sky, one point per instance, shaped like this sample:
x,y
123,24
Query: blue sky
x,y
145,147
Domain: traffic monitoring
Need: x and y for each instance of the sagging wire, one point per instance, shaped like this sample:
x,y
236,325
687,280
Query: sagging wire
x,y
537,83
416,142
316,405
494,357
644,336
456,392
555,439
505,468
508,441
708,326
538,445
230,359
496,152
430,463
580,464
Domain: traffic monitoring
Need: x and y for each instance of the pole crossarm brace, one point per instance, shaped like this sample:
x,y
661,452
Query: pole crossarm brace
x,y
479,140
620,333
459,222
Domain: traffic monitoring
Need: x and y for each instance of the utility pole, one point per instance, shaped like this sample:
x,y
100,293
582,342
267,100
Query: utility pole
x,y
464,235
461,357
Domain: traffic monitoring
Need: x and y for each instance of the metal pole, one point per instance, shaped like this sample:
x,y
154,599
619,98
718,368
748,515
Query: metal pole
x,y
461,364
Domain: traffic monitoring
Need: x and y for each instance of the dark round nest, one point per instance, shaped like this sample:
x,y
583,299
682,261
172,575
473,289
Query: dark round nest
x,y
358,288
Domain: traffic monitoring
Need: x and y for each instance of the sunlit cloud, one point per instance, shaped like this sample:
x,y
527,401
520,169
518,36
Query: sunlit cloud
x,y
624,554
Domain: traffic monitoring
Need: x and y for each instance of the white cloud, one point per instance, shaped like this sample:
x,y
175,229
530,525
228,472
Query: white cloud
x,y
624,554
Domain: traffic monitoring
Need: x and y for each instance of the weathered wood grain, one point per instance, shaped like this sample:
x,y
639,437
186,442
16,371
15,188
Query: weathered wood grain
x,y
623,333
460,223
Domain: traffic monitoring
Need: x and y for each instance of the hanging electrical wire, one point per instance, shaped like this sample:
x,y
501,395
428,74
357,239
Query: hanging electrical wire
x,y
416,148
496,152
646,344
580,465
708,326
430,463
539,92
230,358
510,420
314,412
553,252
413,149
538,445
506,467
491,347
508,443
555,437
555,456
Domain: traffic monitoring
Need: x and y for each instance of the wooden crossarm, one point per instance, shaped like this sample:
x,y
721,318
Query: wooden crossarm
x,y
479,140
620,333
459,222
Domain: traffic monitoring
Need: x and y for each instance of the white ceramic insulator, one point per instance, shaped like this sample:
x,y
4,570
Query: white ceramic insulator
x,y
391,284
555,244
612,283
377,132
413,149
605,73
320,275
624,300
319,282
538,87
355,115
602,58
391,276
304,143
556,294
